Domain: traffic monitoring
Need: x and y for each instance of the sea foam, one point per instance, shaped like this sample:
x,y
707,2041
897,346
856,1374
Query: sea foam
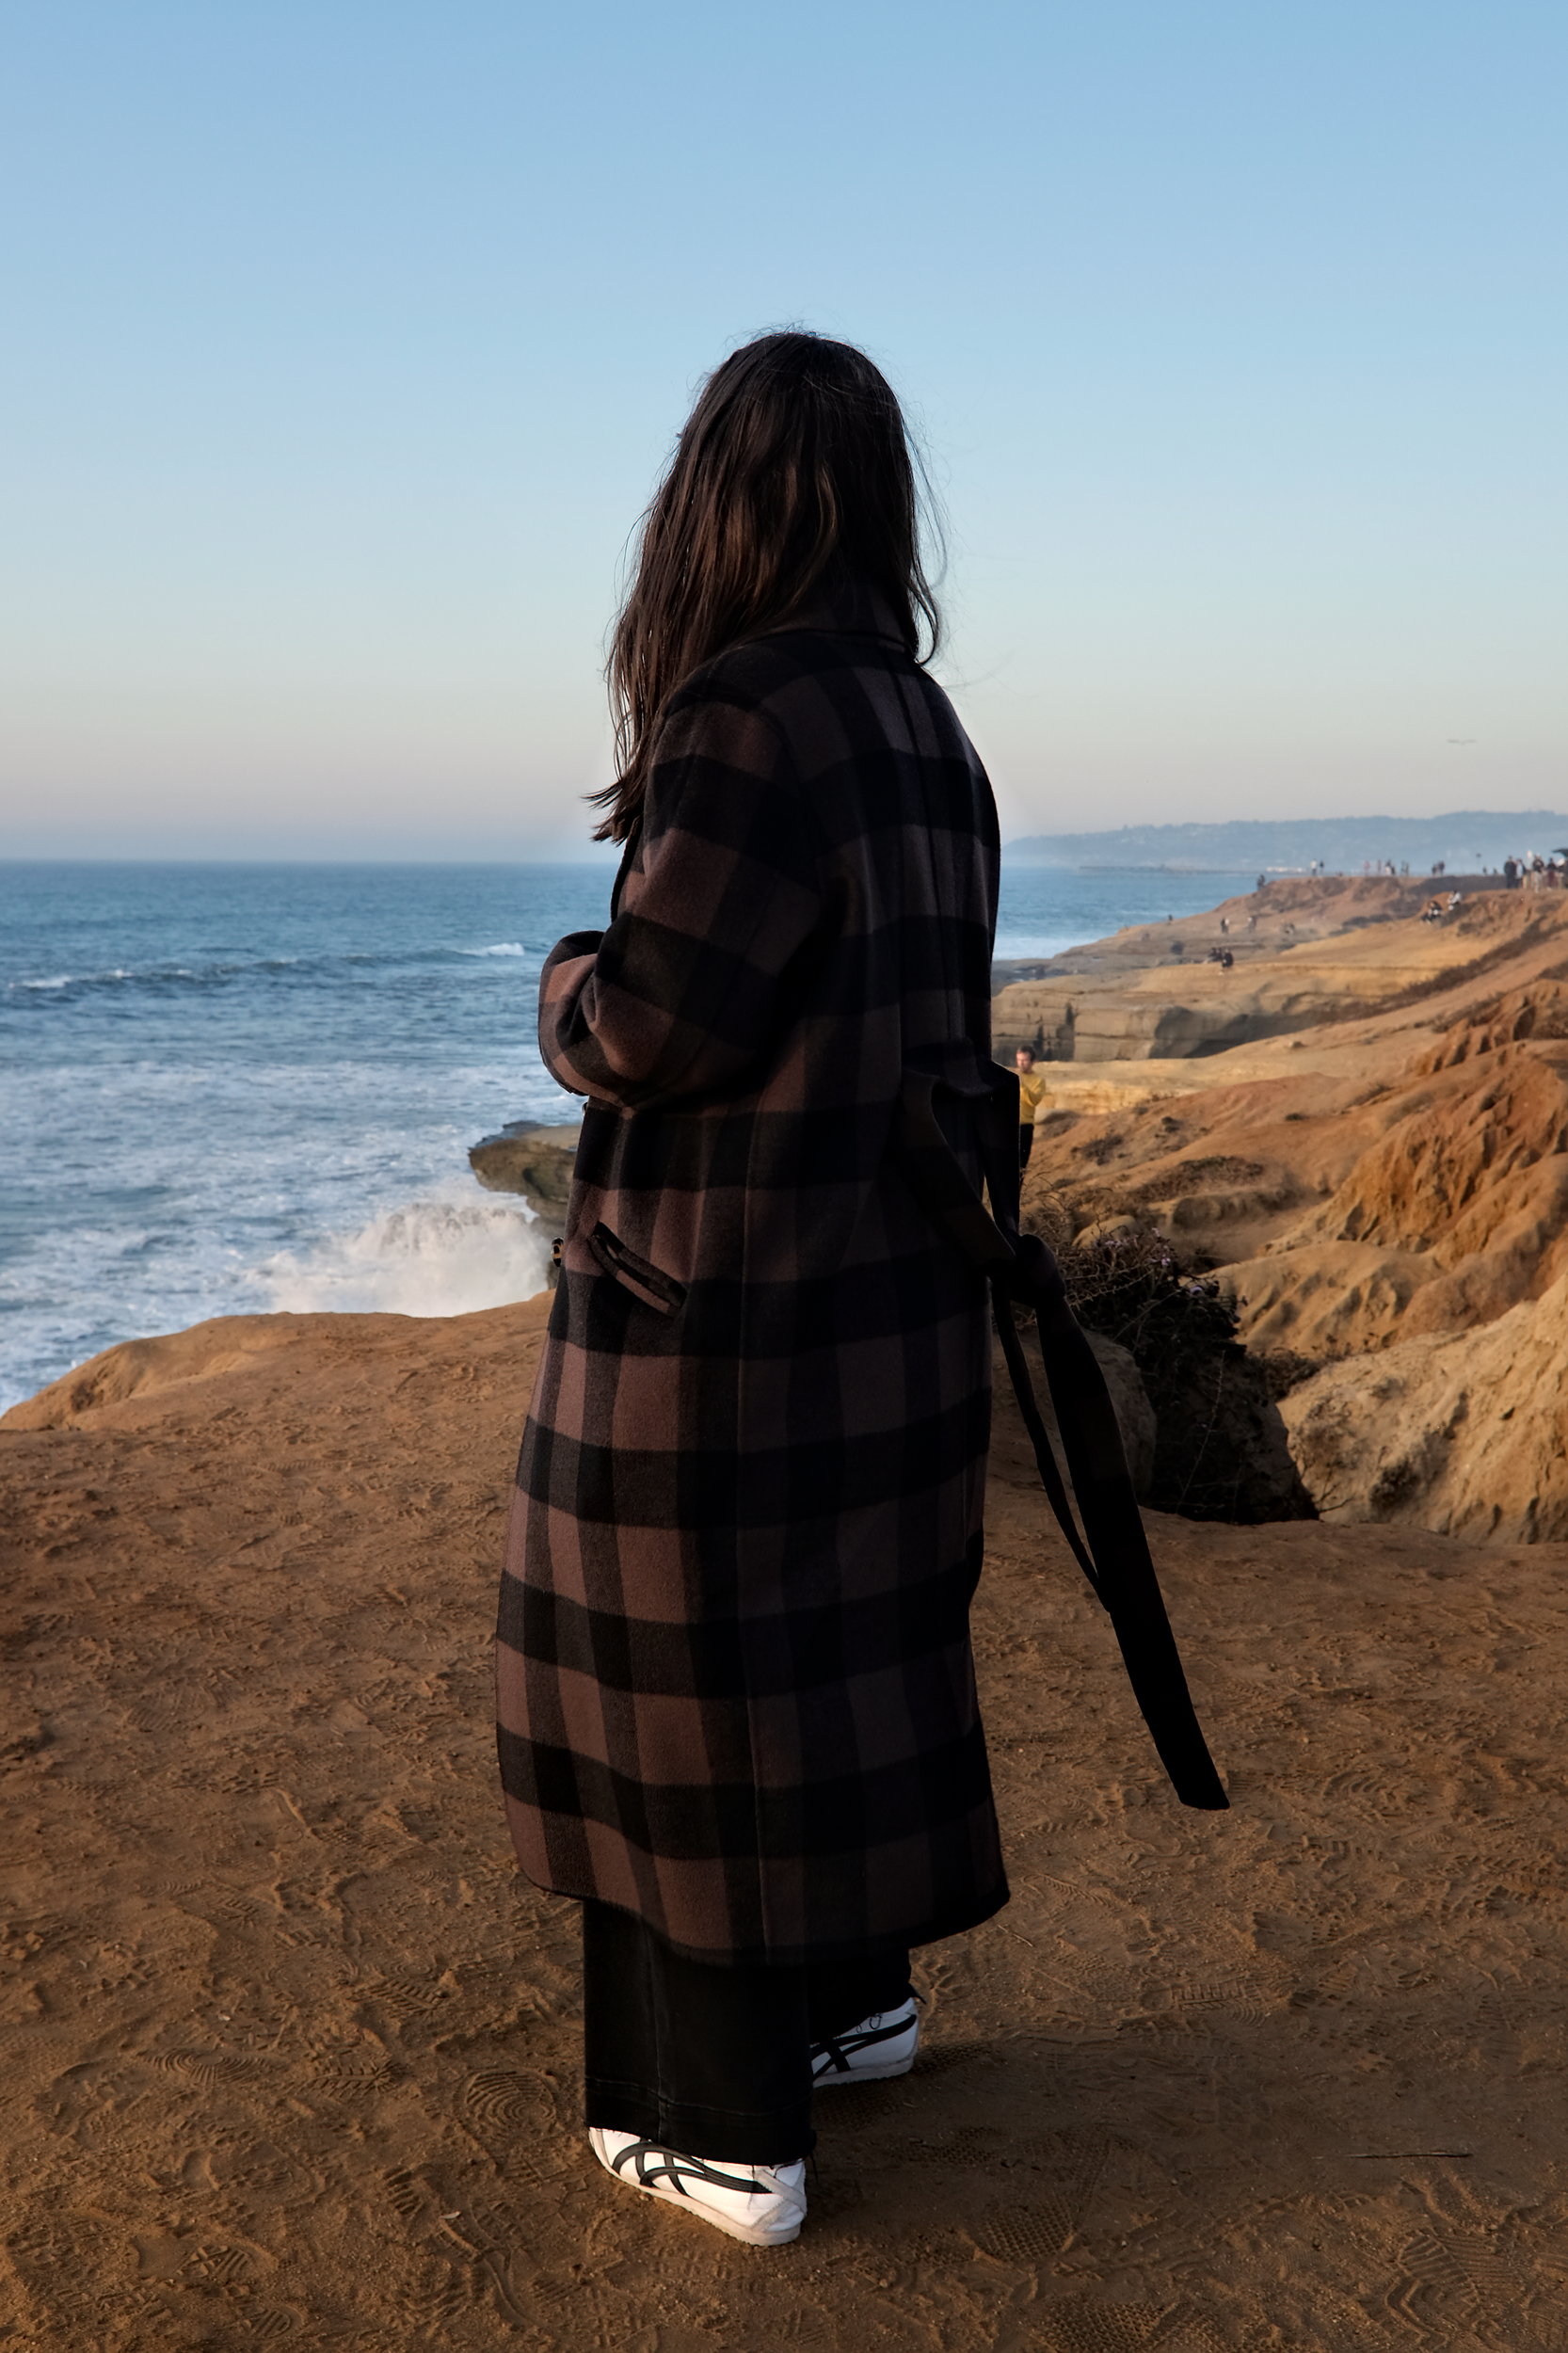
x,y
441,1255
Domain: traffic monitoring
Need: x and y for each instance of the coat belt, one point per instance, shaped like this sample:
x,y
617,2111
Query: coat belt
x,y
1110,1546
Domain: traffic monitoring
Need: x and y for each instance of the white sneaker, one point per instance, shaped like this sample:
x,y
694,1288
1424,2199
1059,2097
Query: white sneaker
x,y
880,2045
763,2204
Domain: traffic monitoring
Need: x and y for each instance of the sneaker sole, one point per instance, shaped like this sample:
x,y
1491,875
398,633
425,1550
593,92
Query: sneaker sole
x,y
749,2233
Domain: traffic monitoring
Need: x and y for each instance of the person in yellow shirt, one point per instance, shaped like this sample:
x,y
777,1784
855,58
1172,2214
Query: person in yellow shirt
x,y
1031,1094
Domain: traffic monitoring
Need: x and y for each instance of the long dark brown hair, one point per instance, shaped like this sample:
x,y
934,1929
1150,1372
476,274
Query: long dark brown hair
x,y
795,471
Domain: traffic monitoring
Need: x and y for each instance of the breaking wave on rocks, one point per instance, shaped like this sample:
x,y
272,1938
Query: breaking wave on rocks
x,y
442,1256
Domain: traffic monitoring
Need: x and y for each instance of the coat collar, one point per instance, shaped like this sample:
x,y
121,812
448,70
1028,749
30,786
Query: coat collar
x,y
846,608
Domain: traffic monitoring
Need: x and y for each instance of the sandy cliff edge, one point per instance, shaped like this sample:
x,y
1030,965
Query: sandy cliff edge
x,y
292,2053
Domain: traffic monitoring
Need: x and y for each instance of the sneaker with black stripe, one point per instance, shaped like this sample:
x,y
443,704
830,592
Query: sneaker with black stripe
x,y
762,2204
882,2045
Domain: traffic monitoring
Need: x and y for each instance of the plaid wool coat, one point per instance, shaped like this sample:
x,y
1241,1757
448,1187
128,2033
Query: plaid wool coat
x,y
736,1690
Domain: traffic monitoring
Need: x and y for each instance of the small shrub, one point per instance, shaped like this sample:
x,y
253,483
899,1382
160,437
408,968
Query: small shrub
x,y
1220,1453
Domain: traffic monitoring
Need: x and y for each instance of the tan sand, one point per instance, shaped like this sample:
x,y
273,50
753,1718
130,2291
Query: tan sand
x,y
289,2053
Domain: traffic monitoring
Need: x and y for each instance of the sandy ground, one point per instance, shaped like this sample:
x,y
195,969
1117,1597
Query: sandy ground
x,y
289,2053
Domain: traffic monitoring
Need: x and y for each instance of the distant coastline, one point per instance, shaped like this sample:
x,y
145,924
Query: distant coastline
x,y
1462,840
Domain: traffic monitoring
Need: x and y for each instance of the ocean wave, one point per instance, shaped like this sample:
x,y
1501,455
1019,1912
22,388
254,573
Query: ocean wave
x,y
441,1255
226,972
117,976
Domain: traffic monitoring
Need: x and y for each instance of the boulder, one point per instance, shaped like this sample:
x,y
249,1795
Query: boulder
x,y
1466,1434
535,1161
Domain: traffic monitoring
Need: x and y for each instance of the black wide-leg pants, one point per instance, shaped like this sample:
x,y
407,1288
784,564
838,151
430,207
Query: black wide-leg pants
x,y
710,2059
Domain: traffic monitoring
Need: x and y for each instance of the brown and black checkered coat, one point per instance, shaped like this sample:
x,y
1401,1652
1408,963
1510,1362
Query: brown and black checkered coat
x,y
736,1690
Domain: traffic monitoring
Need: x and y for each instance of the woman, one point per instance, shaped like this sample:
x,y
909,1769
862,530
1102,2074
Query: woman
x,y
737,1700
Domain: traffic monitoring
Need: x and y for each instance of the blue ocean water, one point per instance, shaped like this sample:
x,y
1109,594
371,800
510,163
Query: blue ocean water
x,y
231,1088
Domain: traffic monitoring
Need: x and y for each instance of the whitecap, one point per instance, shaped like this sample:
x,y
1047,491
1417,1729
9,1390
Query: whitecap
x,y
502,948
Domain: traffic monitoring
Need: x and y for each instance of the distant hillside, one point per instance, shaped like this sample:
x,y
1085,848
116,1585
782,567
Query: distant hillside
x,y
1466,839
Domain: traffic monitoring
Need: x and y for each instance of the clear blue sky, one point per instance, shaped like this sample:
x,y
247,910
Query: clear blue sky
x,y
346,338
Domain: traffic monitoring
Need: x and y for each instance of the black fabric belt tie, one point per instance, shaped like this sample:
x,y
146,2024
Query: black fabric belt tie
x,y
1107,1534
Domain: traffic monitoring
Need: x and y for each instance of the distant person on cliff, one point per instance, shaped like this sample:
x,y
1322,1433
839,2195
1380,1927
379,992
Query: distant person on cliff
x,y
738,1718
1031,1094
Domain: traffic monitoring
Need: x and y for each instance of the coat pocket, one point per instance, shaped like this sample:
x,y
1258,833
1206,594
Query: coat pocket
x,y
646,1282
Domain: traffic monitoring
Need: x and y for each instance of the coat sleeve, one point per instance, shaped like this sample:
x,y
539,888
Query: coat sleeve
x,y
685,992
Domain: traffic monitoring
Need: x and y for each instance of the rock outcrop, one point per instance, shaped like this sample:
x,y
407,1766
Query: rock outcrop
x,y
1466,1435
534,1161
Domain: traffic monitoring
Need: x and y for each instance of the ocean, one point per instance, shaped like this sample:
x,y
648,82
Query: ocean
x,y
237,1088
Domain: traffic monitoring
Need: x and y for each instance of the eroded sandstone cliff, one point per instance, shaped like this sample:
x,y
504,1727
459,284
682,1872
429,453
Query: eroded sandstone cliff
x,y
1394,1176
1155,994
